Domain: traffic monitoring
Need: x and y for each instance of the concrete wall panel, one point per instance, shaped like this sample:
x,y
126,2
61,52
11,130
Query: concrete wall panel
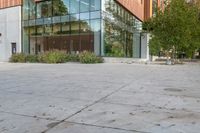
x,y
10,30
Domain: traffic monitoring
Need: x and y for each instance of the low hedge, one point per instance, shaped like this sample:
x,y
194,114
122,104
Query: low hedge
x,y
32,58
18,58
56,56
87,57
53,56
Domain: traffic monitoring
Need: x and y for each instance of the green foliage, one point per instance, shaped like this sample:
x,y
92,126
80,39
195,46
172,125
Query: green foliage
x,y
32,58
54,56
73,57
117,49
59,8
19,57
89,58
178,26
155,46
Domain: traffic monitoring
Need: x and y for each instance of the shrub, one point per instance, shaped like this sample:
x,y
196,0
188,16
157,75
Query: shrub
x,y
19,57
32,58
54,56
89,58
73,57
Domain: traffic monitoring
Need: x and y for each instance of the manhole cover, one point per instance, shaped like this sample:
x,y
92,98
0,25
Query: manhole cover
x,y
173,89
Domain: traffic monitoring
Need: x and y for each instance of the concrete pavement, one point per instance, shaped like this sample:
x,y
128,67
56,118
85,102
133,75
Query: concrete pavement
x,y
100,98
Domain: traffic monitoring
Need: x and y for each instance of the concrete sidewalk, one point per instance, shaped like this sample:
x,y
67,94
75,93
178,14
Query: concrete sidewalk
x,y
100,98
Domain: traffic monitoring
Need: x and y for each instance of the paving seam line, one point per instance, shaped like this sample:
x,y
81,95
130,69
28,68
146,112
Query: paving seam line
x,y
115,128
30,116
64,120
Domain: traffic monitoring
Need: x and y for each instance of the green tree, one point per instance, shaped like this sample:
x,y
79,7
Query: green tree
x,y
177,28
59,8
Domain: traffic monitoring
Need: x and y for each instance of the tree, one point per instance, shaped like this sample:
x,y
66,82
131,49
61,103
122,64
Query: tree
x,y
59,8
177,28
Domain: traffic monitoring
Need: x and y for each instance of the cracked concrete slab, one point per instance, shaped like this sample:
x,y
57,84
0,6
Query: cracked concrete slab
x,y
100,98
137,118
12,123
146,99
67,127
40,106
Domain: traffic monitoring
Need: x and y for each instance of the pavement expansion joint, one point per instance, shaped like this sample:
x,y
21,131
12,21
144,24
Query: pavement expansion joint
x,y
92,125
56,124
23,115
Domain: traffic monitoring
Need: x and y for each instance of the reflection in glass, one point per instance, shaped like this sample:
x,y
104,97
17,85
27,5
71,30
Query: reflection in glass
x,y
59,8
84,16
74,6
44,9
32,11
95,14
95,5
25,10
84,5
48,29
74,27
56,28
39,30
84,26
65,28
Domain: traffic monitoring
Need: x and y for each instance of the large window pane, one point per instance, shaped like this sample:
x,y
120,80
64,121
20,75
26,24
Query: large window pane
x,y
74,6
84,16
95,5
44,9
32,30
84,26
59,8
94,15
95,25
39,10
65,28
95,39
74,17
56,28
32,7
67,5
84,5
39,30
75,27
25,10
65,18
48,29
26,40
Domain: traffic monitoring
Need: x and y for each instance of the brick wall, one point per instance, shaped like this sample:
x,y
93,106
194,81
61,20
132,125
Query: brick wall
x,y
134,6
9,3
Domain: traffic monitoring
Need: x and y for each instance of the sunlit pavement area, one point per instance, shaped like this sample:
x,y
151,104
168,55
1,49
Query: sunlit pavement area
x,y
100,98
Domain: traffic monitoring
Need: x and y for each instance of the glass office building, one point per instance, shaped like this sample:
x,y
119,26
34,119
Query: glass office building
x,y
101,26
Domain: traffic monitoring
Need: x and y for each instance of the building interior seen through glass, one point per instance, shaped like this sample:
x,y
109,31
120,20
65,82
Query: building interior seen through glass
x,y
69,25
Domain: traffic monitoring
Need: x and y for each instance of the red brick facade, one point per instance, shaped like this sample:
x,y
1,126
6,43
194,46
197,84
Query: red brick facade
x,y
142,9
148,7
9,3
134,6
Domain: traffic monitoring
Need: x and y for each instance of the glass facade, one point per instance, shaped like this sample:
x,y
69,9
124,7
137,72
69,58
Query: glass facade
x,y
77,25
69,25
119,29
